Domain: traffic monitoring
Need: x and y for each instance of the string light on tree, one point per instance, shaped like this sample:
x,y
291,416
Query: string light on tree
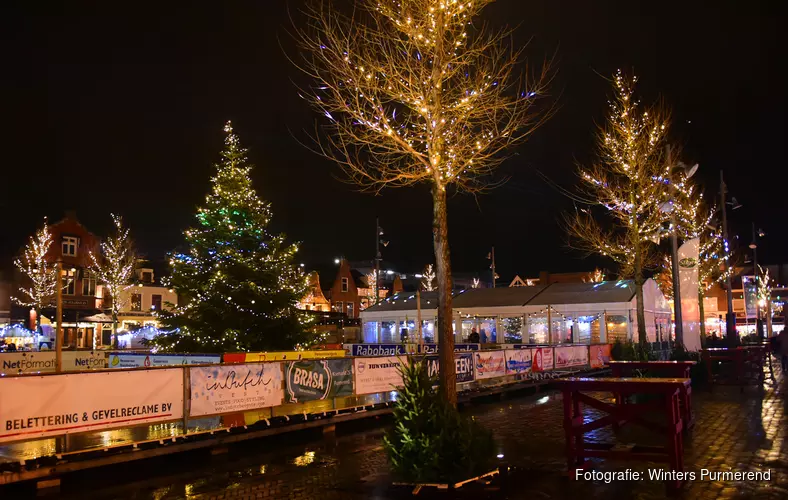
x,y
428,279
114,269
240,283
629,182
41,275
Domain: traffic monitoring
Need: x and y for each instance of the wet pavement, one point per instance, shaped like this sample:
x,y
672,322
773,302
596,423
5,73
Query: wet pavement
x,y
740,431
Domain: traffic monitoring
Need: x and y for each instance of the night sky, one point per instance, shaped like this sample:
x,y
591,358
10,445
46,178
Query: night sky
x,y
120,107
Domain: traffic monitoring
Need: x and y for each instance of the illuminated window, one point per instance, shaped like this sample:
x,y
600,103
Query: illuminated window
x,y
338,306
69,281
136,302
350,310
70,245
344,284
88,284
155,302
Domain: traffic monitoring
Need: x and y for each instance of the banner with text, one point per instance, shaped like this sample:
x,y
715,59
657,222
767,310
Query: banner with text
x,y
566,357
542,359
311,380
378,374
463,364
599,355
229,388
253,357
144,360
16,363
518,361
33,406
489,364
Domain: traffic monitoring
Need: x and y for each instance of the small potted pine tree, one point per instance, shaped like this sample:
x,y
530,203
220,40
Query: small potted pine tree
x,y
431,443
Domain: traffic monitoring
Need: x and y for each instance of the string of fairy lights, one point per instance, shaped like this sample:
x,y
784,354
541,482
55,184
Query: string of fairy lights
x,y
233,264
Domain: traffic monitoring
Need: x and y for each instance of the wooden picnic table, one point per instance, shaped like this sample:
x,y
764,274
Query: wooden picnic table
x,y
748,362
576,424
671,369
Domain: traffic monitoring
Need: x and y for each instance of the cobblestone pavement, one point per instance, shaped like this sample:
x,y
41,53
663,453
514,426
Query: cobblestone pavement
x,y
742,431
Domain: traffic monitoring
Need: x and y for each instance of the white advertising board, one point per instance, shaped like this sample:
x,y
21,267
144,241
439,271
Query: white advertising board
x,y
566,357
39,406
377,374
518,361
16,363
231,388
143,360
489,364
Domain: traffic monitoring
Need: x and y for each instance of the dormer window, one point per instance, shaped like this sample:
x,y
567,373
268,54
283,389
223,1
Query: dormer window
x,y
69,245
344,284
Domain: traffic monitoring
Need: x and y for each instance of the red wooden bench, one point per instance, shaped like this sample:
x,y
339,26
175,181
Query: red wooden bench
x,y
748,363
575,398
671,369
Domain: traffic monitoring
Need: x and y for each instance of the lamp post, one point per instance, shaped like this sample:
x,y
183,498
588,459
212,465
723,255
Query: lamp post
x,y
754,247
730,316
59,317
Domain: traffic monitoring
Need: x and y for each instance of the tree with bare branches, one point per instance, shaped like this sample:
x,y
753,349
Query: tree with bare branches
x,y
41,274
413,93
114,268
631,183
428,278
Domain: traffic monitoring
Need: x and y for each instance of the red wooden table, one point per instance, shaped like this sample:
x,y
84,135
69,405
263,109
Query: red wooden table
x,y
668,390
671,369
748,363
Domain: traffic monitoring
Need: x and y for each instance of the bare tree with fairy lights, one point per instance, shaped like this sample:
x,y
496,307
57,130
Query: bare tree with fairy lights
x,y
631,182
42,275
414,93
114,269
428,278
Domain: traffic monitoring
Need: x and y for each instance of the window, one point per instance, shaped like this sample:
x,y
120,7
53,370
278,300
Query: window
x,y
344,284
350,310
88,284
147,277
155,302
338,306
69,281
136,302
70,245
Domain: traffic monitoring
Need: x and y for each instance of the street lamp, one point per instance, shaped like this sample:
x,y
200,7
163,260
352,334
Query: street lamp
x,y
754,246
668,207
730,316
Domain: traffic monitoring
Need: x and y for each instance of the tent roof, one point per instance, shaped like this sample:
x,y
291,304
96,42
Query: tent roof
x,y
405,301
586,293
496,297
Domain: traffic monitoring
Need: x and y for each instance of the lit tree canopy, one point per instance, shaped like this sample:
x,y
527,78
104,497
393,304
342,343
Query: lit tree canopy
x,y
412,93
428,279
41,275
239,281
114,268
631,182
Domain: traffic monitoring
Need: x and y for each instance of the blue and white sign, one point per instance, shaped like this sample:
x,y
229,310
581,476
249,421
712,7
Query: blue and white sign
x,y
433,348
463,365
144,360
377,349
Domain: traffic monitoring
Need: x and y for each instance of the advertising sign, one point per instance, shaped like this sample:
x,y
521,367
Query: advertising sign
x,y
542,359
433,348
229,388
463,364
489,364
15,363
566,357
254,357
377,349
518,361
144,360
599,355
750,296
312,380
79,402
377,374
688,291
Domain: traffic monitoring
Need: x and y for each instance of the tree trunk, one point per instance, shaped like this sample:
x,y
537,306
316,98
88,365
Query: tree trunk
x,y
641,313
702,311
114,330
440,237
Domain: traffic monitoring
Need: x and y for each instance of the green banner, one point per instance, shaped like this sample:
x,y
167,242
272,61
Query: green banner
x,y
314,380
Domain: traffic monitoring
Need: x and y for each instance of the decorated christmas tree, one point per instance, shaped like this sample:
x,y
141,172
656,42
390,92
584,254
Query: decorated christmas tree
x,y
237,282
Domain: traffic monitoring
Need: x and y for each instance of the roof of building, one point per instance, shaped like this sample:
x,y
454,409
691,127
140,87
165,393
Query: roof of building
x,y
496,297
540,295
585,293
